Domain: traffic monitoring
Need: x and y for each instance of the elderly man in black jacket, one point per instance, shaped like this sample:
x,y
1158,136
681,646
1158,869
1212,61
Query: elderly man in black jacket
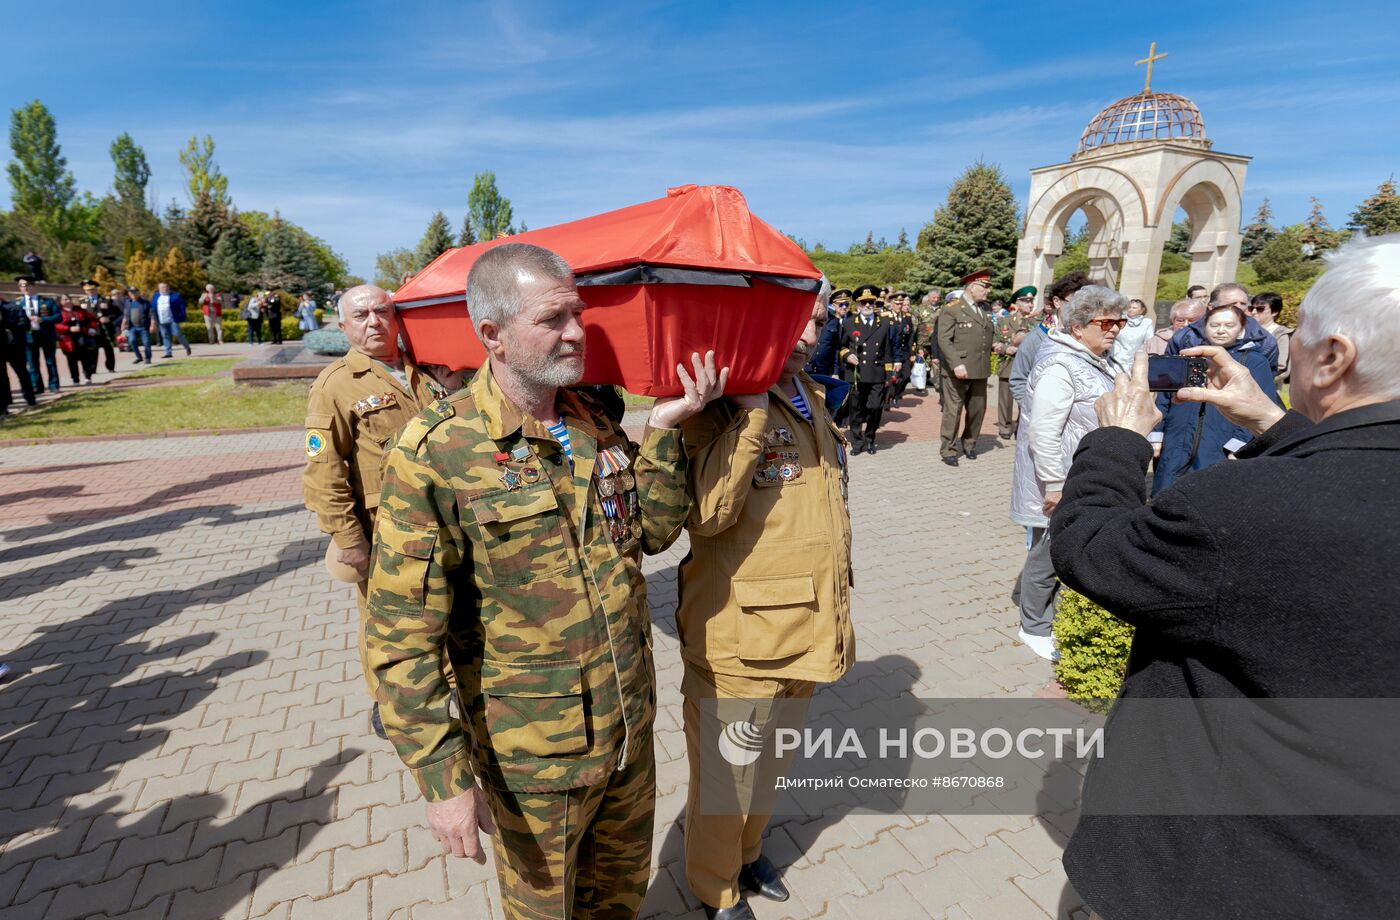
x,y
1214,624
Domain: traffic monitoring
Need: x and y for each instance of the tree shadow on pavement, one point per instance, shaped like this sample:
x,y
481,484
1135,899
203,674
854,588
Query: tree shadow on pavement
x,y
56,574
161,523
71,721
16,497
66,520
189,862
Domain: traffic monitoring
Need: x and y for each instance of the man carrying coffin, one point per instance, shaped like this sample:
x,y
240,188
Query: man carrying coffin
x,y
764,606
512,521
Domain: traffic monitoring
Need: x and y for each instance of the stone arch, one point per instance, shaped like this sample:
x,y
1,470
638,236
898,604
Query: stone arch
x,y
1112,204
1212,198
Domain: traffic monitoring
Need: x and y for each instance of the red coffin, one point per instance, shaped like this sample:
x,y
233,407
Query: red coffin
x,y
685,273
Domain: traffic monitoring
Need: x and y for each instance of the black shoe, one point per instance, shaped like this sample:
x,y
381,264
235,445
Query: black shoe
x,y
188,351
872,448
858,449
376,723
761,876
951,461
739,911
972,455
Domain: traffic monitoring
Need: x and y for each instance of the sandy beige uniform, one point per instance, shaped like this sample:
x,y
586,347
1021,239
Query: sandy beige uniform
x,y
356,409
765,601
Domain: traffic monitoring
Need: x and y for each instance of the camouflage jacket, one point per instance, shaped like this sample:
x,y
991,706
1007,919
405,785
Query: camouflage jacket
x,y
490,551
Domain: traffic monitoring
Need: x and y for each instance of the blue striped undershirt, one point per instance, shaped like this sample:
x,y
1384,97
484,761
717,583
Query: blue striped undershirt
x,y
800,404
560,431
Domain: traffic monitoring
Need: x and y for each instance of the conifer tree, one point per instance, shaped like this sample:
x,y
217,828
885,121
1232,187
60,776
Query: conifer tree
x,y
288,264
1380,213
436,240
976,228
466,237
1259,233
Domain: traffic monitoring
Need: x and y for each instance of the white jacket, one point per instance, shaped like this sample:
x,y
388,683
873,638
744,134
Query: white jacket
x,y
1132,338
1059,411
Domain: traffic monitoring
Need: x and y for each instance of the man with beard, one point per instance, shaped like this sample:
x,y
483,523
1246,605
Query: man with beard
x,y
867,356
764,609
512,522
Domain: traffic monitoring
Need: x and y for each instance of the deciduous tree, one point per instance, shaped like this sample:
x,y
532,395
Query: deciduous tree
x,y
41,186
202,174
489,213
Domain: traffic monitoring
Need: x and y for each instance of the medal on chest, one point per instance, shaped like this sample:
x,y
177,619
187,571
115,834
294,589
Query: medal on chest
x,y
374,403
617,495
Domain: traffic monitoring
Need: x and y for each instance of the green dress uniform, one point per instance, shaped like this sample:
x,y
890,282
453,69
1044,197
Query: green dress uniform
x,y
1010,331
523,568
964,334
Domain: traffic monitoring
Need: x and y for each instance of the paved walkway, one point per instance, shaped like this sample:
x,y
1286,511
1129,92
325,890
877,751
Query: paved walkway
x,y
186,737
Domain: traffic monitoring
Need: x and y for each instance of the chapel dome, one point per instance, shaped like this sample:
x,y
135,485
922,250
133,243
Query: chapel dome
x,y
1145,117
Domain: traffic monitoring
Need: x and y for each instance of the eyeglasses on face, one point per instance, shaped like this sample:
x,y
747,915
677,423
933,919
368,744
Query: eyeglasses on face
x,y
1258,308
1109,325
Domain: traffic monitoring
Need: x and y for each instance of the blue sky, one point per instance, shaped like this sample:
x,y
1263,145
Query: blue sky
x,y
358,120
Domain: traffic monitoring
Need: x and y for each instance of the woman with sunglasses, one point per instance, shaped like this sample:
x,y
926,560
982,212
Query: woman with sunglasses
x,y
1194,436
1071,372
1266,309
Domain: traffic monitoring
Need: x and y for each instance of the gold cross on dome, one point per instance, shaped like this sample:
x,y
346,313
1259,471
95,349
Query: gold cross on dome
x,y
1152,55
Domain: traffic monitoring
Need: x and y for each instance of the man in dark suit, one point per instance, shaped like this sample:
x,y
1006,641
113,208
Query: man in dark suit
x,y
14,334
1217,626
42,315
867,357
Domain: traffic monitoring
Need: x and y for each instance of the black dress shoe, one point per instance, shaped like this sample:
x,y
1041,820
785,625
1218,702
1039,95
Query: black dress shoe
x,y
762,876
871,449
951,461
739,911
972,455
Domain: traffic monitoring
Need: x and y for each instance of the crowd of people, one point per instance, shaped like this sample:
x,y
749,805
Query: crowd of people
x,y
428,499
92,327
1088,335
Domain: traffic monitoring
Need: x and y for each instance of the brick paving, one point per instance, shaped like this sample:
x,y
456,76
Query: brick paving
x,y
186,735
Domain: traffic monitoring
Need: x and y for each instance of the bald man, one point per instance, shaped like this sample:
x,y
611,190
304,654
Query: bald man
x,y
358,405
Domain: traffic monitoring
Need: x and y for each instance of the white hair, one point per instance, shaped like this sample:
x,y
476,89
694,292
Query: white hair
x,y
355,294
1359,297
493,284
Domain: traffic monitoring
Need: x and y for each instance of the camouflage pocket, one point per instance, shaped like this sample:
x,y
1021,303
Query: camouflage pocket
x,y
778,616
522,533
535,708
399,582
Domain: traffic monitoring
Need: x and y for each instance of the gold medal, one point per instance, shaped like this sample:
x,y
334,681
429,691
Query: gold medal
x,y
628,480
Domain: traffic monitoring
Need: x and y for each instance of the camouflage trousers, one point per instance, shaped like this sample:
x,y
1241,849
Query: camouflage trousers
x,y
723,831
582,854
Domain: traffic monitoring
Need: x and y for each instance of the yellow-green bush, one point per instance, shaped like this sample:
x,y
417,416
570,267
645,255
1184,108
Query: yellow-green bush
x,y
1093,647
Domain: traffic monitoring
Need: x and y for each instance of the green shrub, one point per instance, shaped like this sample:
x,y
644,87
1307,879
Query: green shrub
x,y
236,330
1093,647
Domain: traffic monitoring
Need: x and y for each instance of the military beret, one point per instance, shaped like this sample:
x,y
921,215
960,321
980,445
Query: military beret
x,y
1024,291
982,274
867,292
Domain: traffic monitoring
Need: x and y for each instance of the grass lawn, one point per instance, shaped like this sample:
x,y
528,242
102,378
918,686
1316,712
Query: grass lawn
x,y
215,404
187,367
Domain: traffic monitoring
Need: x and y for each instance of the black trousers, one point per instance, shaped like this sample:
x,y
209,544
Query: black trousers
x,y
109,353
15,359
84,359
274,321
867,404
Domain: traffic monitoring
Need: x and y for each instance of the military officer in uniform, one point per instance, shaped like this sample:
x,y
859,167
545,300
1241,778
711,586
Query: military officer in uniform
x,y
1011,331
903,330
764,608
358,404
964,333
511,527
867,357
823,359
109,319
